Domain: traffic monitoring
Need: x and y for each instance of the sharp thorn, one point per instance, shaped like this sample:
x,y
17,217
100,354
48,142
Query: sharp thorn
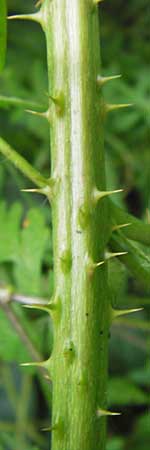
x,y
104,412
59,102
36,17
98,264
39,3
45,114
91,266
109,255
47,308
112,107
44,364
98,195
53,307
122,225
103,80
121,312
37,191
44,191
52,428
97,1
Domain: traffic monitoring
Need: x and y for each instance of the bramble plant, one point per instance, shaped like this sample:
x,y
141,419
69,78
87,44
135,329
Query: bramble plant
x,y
89,228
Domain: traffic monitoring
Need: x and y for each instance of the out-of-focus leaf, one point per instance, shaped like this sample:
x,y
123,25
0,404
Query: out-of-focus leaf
x,y
33,242
136,260
11,346
25,247
115,443
123,392
117,278
9,231
3,32
141,376
141,432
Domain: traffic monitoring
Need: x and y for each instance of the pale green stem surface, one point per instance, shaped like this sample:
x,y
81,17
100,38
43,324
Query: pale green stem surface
x,y
80,228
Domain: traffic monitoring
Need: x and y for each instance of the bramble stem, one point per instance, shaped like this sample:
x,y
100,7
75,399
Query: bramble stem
x,y
80,227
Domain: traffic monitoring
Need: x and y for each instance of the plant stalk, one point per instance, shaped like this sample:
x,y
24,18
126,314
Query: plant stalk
x,y
78,364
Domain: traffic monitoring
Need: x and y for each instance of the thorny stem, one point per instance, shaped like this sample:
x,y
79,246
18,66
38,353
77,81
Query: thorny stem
x,y
80,227
82,222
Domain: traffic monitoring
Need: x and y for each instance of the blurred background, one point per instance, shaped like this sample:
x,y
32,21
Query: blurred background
x,y
26,262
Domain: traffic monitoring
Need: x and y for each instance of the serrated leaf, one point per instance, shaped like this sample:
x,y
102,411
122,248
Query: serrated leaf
x,y
122,392
3,32
25,247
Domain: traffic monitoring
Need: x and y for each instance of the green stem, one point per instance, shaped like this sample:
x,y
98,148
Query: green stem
x,y
7,102
20,163
80,228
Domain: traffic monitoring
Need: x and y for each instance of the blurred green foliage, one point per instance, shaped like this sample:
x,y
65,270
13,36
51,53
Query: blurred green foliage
x,y
25,227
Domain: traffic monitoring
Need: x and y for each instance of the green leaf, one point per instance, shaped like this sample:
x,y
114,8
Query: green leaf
x,y
141,376
12,348
142,428
3,32
122,392
115,443
24,247
137,230
9,231
136,260
34,239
